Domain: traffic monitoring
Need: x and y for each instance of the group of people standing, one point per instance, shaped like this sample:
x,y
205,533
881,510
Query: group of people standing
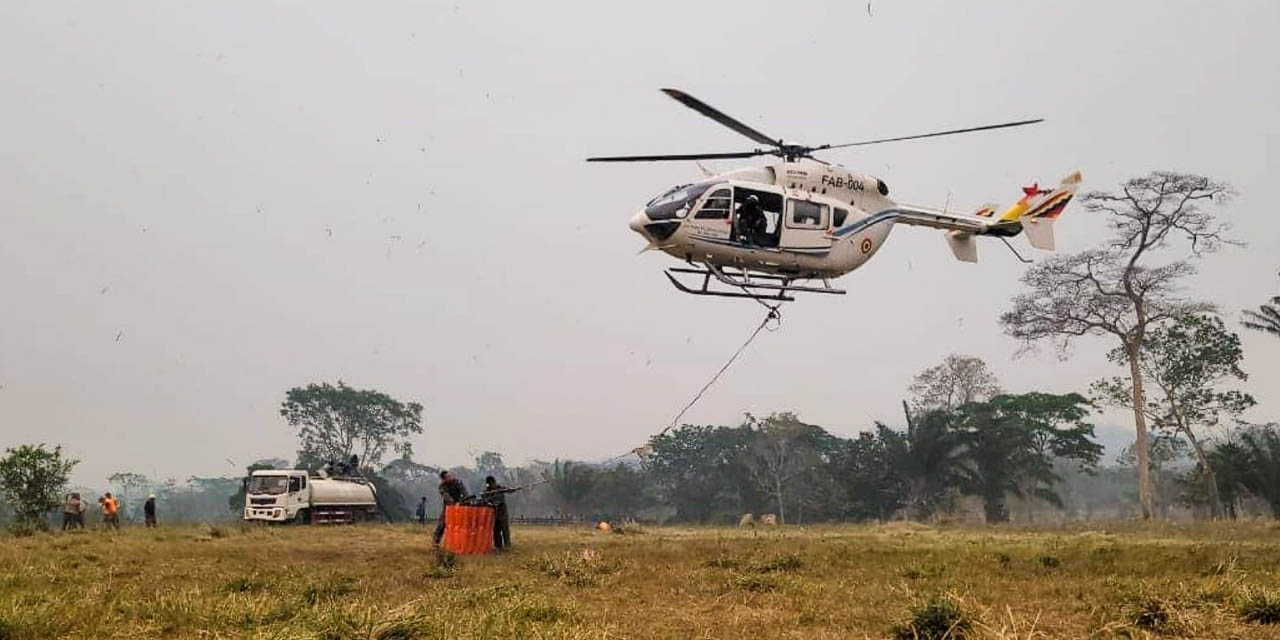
x,y
453,491
74,508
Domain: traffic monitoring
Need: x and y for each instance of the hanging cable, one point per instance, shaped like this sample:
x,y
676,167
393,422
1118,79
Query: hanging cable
x,y
772,316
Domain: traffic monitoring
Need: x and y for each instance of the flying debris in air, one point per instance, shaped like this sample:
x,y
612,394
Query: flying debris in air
x,y
119,335
104,290
329,230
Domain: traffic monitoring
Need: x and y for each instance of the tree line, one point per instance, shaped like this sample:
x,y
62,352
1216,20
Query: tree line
x,y
962,438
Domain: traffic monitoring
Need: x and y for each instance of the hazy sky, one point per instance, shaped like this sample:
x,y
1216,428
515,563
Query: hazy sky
x,y
204,204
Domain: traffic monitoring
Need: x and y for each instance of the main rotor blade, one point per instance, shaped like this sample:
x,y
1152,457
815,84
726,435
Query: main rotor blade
x,y
690,156
715,114
930,135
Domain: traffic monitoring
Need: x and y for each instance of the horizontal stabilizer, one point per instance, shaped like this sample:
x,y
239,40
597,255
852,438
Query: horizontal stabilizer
x,y
987,210
1039,232
963,246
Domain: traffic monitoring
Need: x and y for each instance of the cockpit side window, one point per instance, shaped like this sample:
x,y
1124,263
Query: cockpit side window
x,y
676,202
716,206
838,217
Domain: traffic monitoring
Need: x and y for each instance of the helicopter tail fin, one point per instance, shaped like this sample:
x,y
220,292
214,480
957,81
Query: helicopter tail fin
x,y
1038,208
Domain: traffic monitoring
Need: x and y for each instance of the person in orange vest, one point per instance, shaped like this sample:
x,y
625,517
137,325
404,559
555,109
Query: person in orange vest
x,y
110,511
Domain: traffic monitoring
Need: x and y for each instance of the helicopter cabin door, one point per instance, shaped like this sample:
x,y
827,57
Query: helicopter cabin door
x,y
806,225
712,220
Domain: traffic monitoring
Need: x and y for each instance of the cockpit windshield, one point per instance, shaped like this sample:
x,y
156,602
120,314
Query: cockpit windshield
x,y
270,485
675,202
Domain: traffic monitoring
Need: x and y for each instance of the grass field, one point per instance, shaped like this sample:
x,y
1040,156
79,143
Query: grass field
x,y
381,581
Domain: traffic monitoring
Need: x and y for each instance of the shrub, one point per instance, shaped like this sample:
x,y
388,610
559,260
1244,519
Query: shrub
x,y
319,592
757,564
779,562
756,583
446,560
1261,607
245,584
1150,613
917,572
22,529
723,562
538,612
1050,562
939,618
578,569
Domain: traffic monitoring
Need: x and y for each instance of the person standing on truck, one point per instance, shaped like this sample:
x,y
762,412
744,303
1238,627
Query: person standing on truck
x,y
452,491
149,510
421,513
496,496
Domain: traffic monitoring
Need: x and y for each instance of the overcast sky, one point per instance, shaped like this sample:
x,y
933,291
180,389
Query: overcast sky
x,y
205,204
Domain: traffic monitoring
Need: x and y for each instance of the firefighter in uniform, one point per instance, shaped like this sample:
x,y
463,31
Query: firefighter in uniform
x,y
496,496
452,491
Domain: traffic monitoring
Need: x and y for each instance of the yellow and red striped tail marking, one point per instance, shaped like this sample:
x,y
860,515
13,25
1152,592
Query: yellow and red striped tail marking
x,y
1052,207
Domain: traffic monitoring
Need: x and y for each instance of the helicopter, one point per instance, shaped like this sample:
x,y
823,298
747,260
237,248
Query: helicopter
x,y
767,232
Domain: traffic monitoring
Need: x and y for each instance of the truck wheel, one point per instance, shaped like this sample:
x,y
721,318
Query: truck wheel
x,y
303,517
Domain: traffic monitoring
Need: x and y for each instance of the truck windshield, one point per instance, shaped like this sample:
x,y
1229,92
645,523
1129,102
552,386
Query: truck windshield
x,y
271,485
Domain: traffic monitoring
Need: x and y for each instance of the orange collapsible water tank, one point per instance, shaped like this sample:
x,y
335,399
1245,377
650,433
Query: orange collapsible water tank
x,y
468,530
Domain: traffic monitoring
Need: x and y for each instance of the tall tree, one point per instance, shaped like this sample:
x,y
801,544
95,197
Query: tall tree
x,y
1260,473
620,491
128,486
781,449
958,380
1187,361
1266,318
1012,441
334,422
32,479
489,463
572,483
1164,450
874,485
929,458
404,470
1115,290
699,471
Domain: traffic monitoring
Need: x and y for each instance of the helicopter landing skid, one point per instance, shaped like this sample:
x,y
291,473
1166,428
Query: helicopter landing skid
x,y
755,286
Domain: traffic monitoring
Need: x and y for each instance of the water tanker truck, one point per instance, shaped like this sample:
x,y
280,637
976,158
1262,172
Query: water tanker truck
x,y
293,495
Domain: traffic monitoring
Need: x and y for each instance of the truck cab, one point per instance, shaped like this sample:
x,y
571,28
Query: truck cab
x,y
277,495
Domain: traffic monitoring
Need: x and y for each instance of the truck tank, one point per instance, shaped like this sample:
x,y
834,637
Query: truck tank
x,y
342,501
330,491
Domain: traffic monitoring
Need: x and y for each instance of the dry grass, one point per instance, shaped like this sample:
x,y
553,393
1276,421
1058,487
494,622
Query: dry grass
x,y
1128,581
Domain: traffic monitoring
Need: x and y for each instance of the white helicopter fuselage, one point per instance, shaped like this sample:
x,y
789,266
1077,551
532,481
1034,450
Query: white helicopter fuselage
x,y
817,220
